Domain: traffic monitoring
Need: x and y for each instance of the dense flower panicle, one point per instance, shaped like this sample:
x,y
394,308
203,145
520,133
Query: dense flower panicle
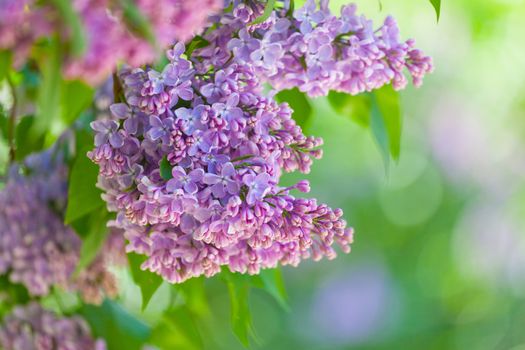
x,y
36,248
32,328
192,156
217,200
109,40
317,51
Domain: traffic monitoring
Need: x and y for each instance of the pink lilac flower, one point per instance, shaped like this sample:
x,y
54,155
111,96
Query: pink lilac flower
x,y
221,205
109,41
317,51
36,249
32,327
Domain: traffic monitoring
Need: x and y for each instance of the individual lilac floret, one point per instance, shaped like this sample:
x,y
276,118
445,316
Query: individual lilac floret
x,y
31,327
222,183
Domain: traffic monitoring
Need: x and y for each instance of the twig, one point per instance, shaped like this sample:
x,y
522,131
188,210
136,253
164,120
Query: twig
x,y
11,123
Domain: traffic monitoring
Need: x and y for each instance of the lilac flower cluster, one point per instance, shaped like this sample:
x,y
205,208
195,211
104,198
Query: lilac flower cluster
x,y
109,40
315,50
36,248
191,162
32,328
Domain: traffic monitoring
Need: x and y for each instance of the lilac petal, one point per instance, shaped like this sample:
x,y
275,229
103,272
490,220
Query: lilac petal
x,y
120,110
232,187
99,125
196,175
100,139
172,185
116,140
155,121
211,179
131,125
228,170
155,133
218,190
190,187
178,172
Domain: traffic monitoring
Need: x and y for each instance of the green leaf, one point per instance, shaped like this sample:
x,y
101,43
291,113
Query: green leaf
x,y
198,42
83,195
72,19
356,108
3,123
268,8
165,169
178,329
5,63
380,133
76,97
95,234
379,110
120,330
241,318
273,284
387,103
136,22
437,7
302,110
195,298
48,100
25,143
147,281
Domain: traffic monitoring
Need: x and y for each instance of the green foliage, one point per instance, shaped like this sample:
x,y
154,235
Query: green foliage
x,y
120,330
302,110
74,23
268,8
165,169
241,318
194,293
24,142
5,63
147,281
178,329
378,110
437,7
83,195
356,108
76,97
48,99
93,229
3,123
198,42
273,283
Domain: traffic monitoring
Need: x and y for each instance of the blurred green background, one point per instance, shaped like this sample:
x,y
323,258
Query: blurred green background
x,y
439,255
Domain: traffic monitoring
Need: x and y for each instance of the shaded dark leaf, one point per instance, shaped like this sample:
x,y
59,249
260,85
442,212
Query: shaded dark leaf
x,y
302,110
83,194
165,169
120,330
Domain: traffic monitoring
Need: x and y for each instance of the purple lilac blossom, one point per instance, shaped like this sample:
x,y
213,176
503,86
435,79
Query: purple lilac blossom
x,y
317,51
36,249
30,327
222,205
